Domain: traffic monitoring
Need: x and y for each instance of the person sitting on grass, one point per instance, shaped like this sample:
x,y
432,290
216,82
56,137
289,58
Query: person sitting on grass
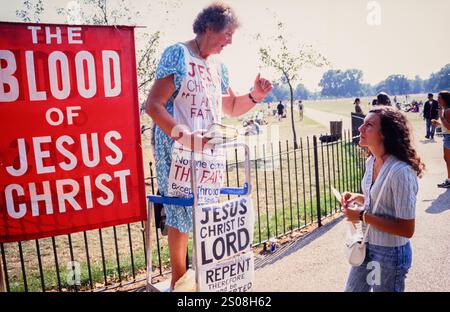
x,y
252,128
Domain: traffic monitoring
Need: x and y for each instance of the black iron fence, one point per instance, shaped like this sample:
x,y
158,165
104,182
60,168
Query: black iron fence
x,y
291,190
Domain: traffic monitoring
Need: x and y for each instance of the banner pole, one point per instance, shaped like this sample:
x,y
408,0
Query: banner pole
x,y
195,265
2,277
148,246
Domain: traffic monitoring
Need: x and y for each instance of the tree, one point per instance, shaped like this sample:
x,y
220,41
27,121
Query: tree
x,y
280,91
330,82
368,89
395,84
31,11
417,85
270,98
352,82
440,80
338,83
280,58
301,92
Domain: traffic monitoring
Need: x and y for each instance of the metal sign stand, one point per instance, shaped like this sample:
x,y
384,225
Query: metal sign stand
x,y
190,201
194,208
148,246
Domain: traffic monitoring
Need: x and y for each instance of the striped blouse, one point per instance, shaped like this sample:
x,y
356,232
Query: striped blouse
x,y
397,201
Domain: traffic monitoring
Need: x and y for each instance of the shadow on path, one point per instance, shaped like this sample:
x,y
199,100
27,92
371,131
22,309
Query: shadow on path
x,y
289,248
440,204
428,141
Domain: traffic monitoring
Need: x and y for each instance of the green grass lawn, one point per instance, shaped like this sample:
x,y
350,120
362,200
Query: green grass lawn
x,y
344,106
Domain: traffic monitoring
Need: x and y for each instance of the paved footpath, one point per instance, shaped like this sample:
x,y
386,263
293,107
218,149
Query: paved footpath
x,y
317,262
324,118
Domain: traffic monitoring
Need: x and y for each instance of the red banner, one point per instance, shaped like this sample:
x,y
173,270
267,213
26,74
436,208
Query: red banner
x,y
70,152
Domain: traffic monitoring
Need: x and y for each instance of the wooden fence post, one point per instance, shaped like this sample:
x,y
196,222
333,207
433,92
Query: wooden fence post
x,y
2,277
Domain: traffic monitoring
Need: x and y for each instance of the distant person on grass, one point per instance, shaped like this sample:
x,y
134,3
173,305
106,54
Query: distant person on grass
x,y
358,108
387,136
444,121
383,99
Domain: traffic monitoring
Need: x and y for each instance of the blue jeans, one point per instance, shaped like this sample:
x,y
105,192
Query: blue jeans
x,y
446,141
384,270
430,128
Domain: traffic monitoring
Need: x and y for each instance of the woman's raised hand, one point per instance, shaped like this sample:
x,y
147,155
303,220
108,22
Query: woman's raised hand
x,y
261,88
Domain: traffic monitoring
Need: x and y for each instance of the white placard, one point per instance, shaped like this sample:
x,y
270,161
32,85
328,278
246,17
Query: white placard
x,y
224,230
234,275
210,170
224,236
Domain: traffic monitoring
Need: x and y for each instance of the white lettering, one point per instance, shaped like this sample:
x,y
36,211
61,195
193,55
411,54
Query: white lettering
x,y
23,161
49,35
6,77
88,192
113,56
123,185
10,202
35,95
67,166
116,135
39,155
60,57
105,201
73,32
59,113
71,113
34,33
85,150
69,196
80,58
35,198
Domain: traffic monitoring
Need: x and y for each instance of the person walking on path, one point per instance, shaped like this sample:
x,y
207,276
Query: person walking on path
x,y
394,163
444,120
179,113
280,110
430,112
300,109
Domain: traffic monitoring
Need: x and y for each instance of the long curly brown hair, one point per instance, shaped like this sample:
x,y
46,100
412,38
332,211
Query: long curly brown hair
x,y
397,137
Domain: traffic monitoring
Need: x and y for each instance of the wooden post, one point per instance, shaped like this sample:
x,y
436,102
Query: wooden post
x,y
2,277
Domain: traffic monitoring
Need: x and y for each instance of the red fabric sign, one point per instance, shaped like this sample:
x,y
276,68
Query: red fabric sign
x,y
70,153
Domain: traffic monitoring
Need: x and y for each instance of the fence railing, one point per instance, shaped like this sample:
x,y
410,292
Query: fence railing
x,y
291,190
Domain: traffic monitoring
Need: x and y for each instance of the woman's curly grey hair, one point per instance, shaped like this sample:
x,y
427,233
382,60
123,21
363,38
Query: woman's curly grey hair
x,y
217,16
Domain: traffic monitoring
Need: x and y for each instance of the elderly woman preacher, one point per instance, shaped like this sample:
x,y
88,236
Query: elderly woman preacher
x,y
190,93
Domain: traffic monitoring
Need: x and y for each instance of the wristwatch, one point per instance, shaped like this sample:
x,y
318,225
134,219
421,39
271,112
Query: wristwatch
x,y
252,98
